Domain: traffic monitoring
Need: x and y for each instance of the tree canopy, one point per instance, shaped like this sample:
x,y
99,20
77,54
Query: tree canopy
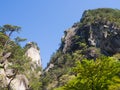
x,y
102,74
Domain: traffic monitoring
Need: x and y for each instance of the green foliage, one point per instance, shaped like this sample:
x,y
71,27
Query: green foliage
x,y
46,79
62,66
102,73
116,84
102,15
22,64
3,39
55,56
78,42
117,56
9,29
28,45
6,31
35,84
18,40
95,75
17,59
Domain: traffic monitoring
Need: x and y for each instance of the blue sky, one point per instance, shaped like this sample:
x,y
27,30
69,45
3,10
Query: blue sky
x,y
44,21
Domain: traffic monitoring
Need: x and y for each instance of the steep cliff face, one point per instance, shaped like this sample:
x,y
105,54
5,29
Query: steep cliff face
x,y
97,33
33,52
98,28
67,39
9,77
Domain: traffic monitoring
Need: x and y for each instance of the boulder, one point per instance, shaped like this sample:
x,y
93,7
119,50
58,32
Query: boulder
x,y
20,82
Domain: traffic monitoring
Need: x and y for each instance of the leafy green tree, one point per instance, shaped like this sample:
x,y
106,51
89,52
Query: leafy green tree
x,y
102,74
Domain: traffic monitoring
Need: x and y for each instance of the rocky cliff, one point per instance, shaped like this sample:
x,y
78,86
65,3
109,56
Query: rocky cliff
x,y
100,30
33,52
20,68
14,79
97,33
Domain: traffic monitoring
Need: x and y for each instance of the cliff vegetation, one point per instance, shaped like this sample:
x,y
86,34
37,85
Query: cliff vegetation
x,y
89,54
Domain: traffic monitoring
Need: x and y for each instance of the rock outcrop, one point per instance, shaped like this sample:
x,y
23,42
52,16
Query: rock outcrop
x,y
97,34
9,77
96,31
20,67
33,52
19,82
67,39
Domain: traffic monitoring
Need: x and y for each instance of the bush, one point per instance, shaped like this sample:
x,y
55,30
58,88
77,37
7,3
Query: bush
x,y
98,75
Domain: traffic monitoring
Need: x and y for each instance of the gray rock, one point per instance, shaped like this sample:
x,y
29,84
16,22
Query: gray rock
x,y
20,82
99,35
68,38
34,53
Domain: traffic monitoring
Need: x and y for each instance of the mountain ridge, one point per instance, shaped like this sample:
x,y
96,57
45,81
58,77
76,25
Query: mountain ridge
x,y
96,35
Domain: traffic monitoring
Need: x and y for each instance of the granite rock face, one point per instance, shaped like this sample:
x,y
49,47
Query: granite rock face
x,y
9,77
103,34
20,82
33,53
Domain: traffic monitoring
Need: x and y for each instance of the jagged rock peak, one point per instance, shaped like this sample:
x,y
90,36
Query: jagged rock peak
x,y
97,28
97,33
33,52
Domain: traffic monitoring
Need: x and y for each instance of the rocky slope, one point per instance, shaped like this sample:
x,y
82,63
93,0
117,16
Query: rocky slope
x,y
97,33
13,80
20,68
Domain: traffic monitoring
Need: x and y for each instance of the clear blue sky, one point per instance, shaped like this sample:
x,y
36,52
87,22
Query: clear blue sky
x,y
44,21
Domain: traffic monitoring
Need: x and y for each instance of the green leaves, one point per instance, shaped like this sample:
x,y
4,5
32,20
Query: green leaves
x,y
17,60
3,39
8,27
98,75
18,40
101,15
